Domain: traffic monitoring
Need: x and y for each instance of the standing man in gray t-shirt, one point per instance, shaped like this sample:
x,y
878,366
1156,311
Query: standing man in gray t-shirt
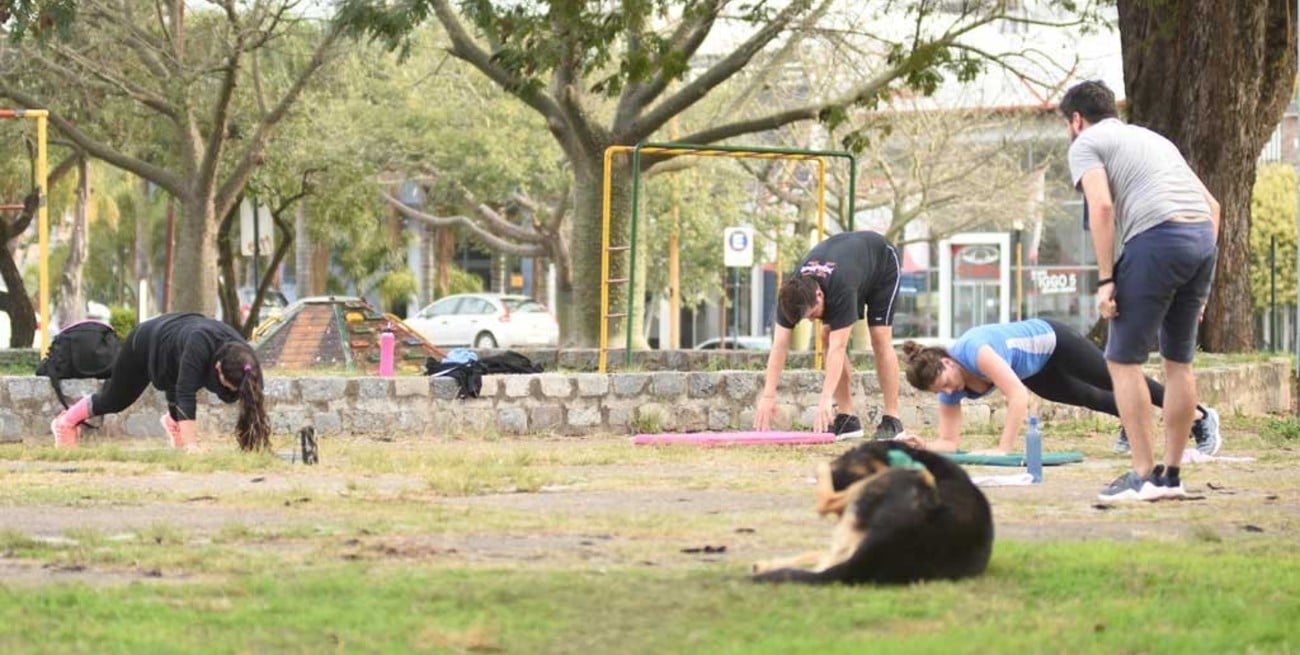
x,y
1154,227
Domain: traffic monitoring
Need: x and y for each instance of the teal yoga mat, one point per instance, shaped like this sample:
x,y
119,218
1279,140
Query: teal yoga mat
x,y
1014,459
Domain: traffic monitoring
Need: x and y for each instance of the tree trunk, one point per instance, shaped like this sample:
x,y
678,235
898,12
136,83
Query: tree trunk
x,y
538,290
445,240
228,293
14,301
302,248
170,263
587,231
72,304
196,253
1214,76
141,269
320,269
425,271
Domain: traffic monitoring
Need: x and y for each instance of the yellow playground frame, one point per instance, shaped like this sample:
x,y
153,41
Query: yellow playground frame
x,y
42,214
818,156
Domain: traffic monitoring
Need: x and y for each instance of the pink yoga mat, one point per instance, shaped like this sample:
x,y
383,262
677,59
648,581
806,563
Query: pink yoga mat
x,y
734,438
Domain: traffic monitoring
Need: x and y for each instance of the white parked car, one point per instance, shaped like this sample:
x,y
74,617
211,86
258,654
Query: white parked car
x,y
737,343
486,320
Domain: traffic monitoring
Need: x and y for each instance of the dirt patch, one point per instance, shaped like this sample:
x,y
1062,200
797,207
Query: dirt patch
x,y
639,507
47,521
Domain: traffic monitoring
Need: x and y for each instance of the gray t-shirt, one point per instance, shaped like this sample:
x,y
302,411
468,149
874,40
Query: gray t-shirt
x,y
1150,182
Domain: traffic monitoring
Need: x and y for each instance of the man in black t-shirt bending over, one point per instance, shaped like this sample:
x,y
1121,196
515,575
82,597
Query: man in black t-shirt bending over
x,y
839,277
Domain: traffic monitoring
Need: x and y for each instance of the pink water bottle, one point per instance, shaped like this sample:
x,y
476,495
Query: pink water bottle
x,y
387,343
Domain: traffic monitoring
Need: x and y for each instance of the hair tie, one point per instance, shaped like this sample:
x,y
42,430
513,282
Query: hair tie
x,y
248,368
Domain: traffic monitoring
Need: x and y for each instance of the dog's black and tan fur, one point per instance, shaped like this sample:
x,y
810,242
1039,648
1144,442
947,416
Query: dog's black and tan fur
x,y
897,524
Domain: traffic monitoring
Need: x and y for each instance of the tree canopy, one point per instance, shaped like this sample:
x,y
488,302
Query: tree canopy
x,y
603,74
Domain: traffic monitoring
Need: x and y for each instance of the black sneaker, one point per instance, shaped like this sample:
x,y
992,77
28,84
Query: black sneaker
x,y
310,452
889,428
1121,444
1167,483
846,426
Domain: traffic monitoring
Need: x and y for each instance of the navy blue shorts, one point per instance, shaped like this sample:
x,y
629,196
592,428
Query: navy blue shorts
x,y
1161,283
880,303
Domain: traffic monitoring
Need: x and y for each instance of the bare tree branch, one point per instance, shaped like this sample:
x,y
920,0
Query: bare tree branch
x,y
464,48
217,134
143,44
686,39
720,72
491,240
110,81
160,176
495,221
254,151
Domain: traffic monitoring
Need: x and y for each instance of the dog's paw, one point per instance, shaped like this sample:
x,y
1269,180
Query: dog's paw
x,y
762,567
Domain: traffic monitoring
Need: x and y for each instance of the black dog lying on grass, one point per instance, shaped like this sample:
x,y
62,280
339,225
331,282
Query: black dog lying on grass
x,y
905,515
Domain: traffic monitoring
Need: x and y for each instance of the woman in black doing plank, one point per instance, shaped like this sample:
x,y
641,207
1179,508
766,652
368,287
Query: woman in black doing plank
x,y
179,354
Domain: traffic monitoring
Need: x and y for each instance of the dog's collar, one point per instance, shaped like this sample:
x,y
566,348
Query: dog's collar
x,y
900,459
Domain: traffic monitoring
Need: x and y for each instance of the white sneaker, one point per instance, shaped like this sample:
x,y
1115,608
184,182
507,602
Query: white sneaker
x,y
1205,432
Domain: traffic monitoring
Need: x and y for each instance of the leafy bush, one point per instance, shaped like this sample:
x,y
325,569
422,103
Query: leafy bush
x,y
463,281
122,319
1287,429
1273,216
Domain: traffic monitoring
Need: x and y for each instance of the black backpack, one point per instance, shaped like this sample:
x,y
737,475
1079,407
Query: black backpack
x,y
85,349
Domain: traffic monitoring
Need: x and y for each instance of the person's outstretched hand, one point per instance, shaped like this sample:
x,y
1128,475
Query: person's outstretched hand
x,y
764,413
824,415
1106,305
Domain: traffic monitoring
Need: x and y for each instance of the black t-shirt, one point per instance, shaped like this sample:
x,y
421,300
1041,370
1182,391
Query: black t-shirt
x,y
848,267
183,357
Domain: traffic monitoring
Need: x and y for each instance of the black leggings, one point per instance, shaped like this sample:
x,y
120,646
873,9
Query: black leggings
x,y
130,376
1076,374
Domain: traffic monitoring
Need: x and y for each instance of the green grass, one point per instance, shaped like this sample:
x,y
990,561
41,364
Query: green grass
x,y
1062,598
1285,429
563,545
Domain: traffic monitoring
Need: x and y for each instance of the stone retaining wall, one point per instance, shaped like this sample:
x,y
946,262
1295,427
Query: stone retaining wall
x,y
587,359
571,404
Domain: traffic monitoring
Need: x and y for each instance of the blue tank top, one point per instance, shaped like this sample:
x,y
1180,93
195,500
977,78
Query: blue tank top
x,y
1025,345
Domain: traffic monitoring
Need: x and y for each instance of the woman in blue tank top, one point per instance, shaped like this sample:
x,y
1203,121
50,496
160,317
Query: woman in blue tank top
x,y
1044,356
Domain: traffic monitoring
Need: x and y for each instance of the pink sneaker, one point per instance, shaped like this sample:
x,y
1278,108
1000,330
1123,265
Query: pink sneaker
x,y
65,436
173,430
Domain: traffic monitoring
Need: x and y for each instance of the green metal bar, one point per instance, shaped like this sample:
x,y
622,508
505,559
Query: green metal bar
x,y
340,319
853,189
636,201
631,272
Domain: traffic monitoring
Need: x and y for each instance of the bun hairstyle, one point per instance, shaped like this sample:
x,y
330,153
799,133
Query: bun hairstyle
x,y
240,367
924,364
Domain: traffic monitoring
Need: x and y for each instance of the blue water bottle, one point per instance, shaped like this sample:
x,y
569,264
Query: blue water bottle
x,y
1034,450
